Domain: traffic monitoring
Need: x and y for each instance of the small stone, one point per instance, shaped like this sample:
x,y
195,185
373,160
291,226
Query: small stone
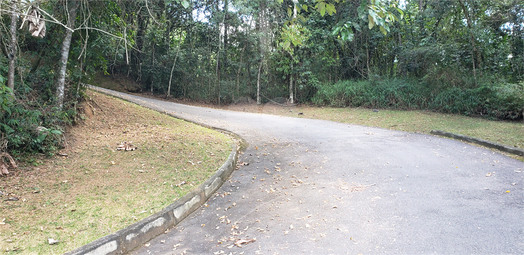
x,y
52,241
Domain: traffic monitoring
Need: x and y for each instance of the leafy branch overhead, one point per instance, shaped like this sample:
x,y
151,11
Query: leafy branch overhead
x,y
376,12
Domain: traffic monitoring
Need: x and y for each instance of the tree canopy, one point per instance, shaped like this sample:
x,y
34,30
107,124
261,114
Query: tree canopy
x,y
459,56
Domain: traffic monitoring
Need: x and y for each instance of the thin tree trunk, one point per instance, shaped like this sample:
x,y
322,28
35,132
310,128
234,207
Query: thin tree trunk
x,y
217,71
64,52
258,82
296,93
472,39
218,56
291,100
141,28
238,72
209,90
12,48
226,3
367,58
172,69
240,64
152,69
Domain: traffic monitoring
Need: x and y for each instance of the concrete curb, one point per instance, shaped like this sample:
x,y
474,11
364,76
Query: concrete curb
x,y
488,144
133,236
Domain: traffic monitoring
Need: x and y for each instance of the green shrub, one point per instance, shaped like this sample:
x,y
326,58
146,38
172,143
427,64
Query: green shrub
x,y
28,125
29,130
503,101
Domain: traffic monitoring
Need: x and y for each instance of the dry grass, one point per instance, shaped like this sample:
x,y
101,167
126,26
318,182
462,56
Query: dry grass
x,y
97,190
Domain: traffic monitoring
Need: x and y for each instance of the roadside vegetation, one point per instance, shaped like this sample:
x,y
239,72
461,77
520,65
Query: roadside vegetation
x,y
496,101
509,133
371,54
407,55
91,189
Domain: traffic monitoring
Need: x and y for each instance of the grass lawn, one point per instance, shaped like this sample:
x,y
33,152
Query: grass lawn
x,y
96,190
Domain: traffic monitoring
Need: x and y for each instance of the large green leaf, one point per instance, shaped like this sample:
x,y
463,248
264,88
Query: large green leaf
x,y
321,7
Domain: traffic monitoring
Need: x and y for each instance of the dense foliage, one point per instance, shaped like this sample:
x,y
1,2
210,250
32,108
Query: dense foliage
x,y
502,101
457,56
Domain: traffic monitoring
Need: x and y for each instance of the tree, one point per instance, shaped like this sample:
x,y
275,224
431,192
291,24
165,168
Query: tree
x,y
72,7
474,51
12,46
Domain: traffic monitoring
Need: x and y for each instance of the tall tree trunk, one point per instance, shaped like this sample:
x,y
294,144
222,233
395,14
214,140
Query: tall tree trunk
x,y
239,69
474,51
226,5
263,44
173,69
141,20
291,99
258,82
12,47
217,71
218,54
64,52
367,58
153,68
240,63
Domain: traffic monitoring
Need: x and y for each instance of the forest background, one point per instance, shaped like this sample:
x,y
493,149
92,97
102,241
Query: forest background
x,y
452,56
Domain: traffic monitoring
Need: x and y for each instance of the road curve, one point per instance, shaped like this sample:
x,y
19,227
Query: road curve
x,y
320,187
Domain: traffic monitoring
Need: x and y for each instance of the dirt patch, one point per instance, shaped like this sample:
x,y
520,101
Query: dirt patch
x,y
94,189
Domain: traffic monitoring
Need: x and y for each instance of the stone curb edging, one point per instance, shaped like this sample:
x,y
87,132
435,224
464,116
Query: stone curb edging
x,y
133,236
482,142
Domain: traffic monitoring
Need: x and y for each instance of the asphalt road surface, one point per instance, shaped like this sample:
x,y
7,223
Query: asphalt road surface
x,y
319,187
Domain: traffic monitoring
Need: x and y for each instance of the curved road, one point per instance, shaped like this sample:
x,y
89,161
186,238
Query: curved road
x,y
320,187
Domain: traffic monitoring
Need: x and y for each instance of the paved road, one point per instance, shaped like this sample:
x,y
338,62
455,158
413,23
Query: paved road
x,y
320,187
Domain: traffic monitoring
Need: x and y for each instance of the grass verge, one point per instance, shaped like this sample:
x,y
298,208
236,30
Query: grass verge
x,y
97,190
503,132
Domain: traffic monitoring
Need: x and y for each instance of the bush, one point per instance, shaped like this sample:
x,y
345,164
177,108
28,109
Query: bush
x,y
29,125
29,130
504,101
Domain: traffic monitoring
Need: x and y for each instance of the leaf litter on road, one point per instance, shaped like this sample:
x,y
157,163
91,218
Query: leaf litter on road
x,y
240,242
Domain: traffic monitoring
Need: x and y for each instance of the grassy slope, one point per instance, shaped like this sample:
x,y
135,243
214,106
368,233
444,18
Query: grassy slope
x,y
98,190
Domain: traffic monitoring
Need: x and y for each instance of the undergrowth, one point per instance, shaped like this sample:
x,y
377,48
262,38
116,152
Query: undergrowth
x,y
494,101
30,122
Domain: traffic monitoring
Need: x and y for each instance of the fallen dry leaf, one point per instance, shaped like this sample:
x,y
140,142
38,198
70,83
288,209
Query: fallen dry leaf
x,y
241,242
127,146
